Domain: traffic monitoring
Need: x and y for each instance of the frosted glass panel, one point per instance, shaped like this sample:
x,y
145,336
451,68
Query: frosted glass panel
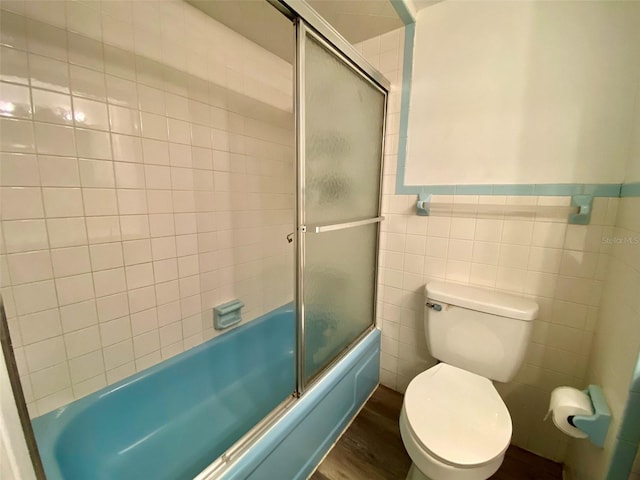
x,y
339,281
344,115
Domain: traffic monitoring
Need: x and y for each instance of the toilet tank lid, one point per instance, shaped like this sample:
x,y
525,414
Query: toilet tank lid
x,y
483,300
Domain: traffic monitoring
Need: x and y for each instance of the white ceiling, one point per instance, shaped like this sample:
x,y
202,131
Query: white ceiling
x,y
356,20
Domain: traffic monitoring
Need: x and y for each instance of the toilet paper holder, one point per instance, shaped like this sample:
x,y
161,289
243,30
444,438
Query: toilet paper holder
x,y
595,426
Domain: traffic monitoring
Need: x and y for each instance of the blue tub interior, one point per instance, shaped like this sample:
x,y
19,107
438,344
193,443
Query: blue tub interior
x,y
172,420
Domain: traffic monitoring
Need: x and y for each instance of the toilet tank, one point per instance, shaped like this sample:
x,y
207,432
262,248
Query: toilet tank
x,y
478,330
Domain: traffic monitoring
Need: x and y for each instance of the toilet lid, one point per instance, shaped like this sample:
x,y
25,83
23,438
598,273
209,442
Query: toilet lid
x,y
457,416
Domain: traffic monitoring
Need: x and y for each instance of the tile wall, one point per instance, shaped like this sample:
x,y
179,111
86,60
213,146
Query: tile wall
x,y
616,342
147,175
561,266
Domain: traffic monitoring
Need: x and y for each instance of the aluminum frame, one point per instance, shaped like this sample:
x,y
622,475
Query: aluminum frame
x,y
303,30
301,9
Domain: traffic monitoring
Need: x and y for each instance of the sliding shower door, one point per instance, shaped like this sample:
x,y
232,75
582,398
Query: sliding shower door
x,y
340,141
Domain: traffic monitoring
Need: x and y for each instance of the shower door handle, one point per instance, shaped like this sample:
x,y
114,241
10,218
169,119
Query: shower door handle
x,y
341,226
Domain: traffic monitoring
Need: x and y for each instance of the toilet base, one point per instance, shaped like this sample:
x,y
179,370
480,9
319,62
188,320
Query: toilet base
x,y
416,474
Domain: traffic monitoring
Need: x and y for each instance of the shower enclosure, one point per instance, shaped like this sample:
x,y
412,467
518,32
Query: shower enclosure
x,y
333,121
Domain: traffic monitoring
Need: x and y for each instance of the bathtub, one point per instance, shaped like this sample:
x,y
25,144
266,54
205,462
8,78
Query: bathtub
x,y
171,421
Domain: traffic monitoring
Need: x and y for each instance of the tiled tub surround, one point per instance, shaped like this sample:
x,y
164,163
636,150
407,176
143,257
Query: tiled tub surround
x,y
561,266
147,175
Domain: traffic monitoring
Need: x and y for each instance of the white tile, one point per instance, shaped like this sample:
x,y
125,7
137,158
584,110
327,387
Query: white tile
x,y
106,255
144,321
47,40
170,334
162,225
48,73
100,201
165,270
546,234
78,315
517,232
134,227
122,92
142,299
87,83
146,343
40,326
96,173
66,232
20,203
129,175
25,235
160,201
154,126
90,114
46,353
113,306
139,275
86,366
34,297
115,331
14,66
74,289
103,229
514,256
85,51
50,380
82,341
132,202
55,139
58,171
51,107
137,251
70,261
124,120
109,282
488,230
127,148
63,202
169,313
163,248
118,354
17,136
157,177
30,266
93,144
155,152
19,170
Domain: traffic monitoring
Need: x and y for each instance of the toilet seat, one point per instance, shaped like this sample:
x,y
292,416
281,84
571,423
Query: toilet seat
x,y
457,417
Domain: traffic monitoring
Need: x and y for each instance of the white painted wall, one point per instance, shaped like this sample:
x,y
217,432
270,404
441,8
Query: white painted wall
x,y
523,92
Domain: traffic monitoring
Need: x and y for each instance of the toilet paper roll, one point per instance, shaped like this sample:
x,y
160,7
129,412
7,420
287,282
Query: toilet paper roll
x,y
566,402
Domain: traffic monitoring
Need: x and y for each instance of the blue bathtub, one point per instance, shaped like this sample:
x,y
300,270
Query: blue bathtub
x,y
171,421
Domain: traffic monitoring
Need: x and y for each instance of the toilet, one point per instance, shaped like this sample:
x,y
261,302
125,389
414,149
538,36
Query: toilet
x,y
453,422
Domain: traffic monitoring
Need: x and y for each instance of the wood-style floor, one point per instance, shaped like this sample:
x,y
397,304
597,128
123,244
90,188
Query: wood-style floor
x,y
371,449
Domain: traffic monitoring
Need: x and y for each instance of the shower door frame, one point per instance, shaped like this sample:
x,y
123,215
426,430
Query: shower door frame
x,y
369,74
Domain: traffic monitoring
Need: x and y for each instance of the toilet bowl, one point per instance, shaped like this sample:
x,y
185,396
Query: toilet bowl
x,y
454,425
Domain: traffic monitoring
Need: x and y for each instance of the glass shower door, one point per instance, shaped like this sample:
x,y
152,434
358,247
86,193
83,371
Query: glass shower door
x,y
340,135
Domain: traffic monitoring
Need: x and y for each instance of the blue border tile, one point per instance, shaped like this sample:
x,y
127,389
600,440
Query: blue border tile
x,y
630,189
630,427
403,11
624,455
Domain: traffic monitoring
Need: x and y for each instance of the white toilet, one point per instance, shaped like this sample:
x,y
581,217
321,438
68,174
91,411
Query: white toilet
x,y
454,424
